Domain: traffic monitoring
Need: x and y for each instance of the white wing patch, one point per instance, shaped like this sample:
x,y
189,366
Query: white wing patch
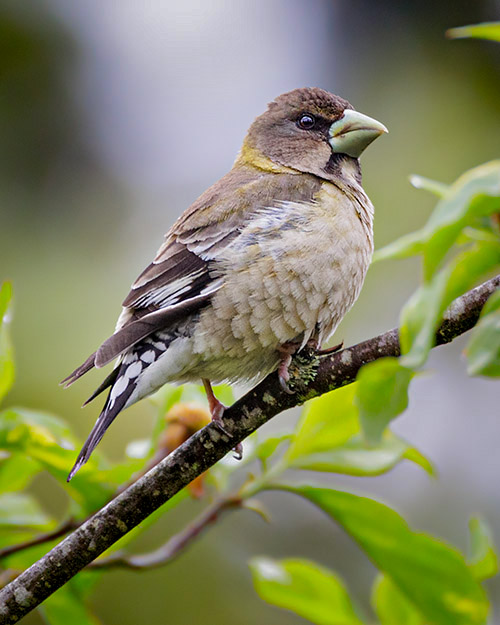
x,y
170,293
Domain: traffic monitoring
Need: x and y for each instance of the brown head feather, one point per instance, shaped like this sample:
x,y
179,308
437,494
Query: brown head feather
x,y
276,134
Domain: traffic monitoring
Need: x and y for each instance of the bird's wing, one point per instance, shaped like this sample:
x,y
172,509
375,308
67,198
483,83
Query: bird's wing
x,y
177,283
182,277
180,271
185,272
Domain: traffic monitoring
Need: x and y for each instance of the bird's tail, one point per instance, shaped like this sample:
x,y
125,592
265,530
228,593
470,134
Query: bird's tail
x,y
124,380
79,371
108,414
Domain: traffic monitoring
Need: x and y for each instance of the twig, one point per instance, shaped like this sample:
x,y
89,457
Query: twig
x,y
120,559
173,547
204,449
64,528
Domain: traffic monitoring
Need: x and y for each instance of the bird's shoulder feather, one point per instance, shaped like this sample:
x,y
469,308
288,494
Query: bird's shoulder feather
x,y
185,265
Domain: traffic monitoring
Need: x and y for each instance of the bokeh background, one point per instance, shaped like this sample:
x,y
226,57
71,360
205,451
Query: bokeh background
x,y
115,116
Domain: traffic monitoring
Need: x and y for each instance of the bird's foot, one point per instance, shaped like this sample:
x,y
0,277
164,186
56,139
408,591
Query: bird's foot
x,y
286,351
217,419
307,362
217,409
238,451
215,406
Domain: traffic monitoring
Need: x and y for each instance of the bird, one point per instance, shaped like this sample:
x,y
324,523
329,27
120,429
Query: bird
x,y
265,262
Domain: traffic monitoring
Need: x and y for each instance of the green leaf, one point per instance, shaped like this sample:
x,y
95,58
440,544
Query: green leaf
x,y
407,245
309,590
419,320
66,606
119,474
6,352
474,195
381,395
391,606
469,234
486,30
414,455
436,188
421,316
5,300
356,458
431,574
327,438
85,582
19,509
326,422
483,351
47,427
16,472
483,560
268,447
48,441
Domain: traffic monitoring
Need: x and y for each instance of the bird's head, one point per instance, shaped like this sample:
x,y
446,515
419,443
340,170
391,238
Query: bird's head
x,y
309,130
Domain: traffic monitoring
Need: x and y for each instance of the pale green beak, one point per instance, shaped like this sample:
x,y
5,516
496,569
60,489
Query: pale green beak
x,y
353,132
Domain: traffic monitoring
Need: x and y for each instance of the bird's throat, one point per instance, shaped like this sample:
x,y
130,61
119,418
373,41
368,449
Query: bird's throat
x,y
344,168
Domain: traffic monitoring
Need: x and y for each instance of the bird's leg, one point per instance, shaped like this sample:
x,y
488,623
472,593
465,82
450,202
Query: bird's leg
x,y
286,352
215,406
217,410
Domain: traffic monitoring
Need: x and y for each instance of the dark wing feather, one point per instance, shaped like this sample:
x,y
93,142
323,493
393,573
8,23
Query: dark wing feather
x,y
135,331
107,416
79,371
106,383
176,284
178,274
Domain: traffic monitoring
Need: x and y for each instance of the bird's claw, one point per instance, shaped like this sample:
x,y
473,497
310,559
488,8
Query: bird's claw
x,y
217,412
219,423
238,451
283,373
284,384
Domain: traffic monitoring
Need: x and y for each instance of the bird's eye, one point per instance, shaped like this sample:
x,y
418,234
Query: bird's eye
x,y
306,121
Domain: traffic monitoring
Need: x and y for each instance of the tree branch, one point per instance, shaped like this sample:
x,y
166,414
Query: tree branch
x,y
173,547
313,377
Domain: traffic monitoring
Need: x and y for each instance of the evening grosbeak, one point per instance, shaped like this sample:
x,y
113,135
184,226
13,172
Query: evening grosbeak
x,y
266,261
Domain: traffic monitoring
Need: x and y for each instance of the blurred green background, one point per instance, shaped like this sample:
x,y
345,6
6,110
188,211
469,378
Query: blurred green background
x,y
115,116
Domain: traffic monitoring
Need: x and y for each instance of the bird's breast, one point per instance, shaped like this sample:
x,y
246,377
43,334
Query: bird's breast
x,y
293,273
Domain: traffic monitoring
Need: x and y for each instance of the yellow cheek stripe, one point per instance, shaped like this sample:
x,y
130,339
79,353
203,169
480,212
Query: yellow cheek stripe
x,y
249,155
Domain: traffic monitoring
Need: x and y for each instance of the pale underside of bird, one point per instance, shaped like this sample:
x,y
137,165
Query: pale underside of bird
x,y
267,260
